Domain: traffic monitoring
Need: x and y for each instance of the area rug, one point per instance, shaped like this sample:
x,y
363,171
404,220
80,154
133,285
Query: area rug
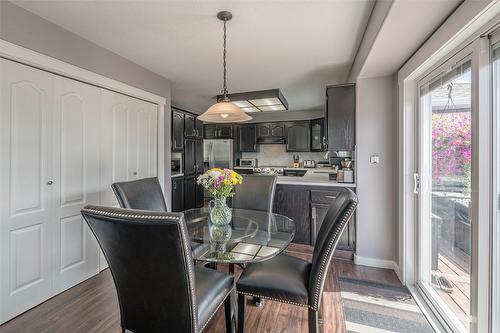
x,y
371,307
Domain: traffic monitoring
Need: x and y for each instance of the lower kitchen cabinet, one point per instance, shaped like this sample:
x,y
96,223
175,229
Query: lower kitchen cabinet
x,y
200,195
307,206
189,192
293,201
178,194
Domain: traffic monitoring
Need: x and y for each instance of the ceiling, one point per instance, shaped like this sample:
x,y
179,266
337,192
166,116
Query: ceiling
x,y
297,46
403,26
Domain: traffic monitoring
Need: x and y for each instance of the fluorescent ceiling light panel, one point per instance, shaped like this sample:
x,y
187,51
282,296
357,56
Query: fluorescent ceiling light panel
x,y
265,101
272,108
250,109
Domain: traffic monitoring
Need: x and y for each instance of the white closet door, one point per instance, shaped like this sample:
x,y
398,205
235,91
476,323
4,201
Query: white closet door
x,y
76,170
114,143
25,190
147,140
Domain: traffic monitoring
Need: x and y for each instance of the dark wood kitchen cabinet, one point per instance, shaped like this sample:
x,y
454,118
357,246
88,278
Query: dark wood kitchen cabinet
x,y
189,157
298,136
318,135
198,159
293,202
190,192
341,117
178,194
189,126
218,131
199,129
247,139
270,130
177,131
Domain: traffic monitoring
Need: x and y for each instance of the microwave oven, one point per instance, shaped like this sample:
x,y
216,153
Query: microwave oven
x,y
248,162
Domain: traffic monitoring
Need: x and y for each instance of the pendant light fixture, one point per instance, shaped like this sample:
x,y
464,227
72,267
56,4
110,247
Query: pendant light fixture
x,y
224,111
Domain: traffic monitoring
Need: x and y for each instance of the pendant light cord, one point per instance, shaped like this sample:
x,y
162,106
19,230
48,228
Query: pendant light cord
x,y
224,89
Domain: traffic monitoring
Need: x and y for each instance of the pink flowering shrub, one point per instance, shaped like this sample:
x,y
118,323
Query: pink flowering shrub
x,y
451,142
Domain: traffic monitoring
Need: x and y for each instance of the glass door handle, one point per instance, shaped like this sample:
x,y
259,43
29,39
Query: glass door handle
x,y
416,183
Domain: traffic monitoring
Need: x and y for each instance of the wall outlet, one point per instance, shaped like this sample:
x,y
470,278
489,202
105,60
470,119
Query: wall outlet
x,y
374,159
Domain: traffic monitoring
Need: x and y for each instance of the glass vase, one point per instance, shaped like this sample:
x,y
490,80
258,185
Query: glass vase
x,y
220,213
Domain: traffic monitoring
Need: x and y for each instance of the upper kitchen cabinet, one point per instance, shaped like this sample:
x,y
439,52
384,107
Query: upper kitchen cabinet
x,y
270,130
218,131
189,126
341,114
177,131
199,129
247,139
298,136
318,135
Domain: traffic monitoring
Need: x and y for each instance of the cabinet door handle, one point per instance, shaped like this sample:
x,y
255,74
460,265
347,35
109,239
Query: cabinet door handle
x,y
50,182
134,173
314,227
331,196
174,186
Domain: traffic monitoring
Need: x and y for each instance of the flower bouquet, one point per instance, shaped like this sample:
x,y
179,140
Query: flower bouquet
x,y
220,184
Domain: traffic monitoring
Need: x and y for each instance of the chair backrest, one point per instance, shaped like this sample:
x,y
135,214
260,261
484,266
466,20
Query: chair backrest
x,y
334,223
150,260
144,194
256,192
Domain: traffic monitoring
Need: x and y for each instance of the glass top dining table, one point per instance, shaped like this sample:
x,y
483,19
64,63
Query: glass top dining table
x,y
251,236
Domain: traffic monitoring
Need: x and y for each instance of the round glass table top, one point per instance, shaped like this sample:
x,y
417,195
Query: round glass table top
x,y
251,236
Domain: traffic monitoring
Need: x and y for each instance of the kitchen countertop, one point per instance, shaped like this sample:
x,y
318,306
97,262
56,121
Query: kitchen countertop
x,y
313,177
176,174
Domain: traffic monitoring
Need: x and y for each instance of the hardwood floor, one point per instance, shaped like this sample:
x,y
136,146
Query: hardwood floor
x,y
92,306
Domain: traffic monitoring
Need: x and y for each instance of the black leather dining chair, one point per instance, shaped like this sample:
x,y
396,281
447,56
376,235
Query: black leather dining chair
x,y
292,280
144,194
159,289
256,193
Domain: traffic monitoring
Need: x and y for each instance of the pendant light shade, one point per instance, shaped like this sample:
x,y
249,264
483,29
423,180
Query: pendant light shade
x,y
224,111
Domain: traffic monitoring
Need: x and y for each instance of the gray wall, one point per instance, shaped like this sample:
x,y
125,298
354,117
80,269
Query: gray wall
x,y
376,183
23,28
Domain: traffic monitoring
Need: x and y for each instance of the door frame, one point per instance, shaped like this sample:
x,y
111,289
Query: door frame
x,y
475,31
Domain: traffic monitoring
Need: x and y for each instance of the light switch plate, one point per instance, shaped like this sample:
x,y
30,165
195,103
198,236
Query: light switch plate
x,y
374,159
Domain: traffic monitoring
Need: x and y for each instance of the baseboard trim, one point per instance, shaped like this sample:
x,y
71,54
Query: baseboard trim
x,y
374,262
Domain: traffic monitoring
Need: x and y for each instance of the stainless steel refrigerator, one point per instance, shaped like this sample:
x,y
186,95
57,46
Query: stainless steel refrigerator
x,y
218,154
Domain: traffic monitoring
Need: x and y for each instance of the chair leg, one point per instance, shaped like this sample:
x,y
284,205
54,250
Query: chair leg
x,y
241,313
313,321
228,314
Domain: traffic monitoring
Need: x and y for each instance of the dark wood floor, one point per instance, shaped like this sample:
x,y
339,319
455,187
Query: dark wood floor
x,y
92,306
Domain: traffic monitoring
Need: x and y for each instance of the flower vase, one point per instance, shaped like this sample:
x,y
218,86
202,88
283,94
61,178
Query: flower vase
x,y
220,213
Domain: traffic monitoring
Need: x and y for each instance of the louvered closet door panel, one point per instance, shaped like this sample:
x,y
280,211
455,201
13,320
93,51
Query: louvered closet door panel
x,y
25,191
76,170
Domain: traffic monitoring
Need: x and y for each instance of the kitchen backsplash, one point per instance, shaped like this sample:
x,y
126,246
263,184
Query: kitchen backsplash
x,y
276,155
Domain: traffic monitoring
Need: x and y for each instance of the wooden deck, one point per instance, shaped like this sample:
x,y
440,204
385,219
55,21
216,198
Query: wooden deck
x,y
459,299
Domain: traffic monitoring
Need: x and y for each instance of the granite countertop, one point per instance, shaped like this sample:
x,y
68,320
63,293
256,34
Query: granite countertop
x,y
313,178
176,174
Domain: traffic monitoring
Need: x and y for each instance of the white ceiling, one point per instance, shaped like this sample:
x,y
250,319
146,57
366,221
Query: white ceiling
x,y
298,46
404,30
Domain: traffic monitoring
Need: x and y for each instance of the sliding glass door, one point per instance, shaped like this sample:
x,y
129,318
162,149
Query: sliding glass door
x,y
445,219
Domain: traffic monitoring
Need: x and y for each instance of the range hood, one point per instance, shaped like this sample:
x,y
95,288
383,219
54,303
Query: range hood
x,y
259,101
271,140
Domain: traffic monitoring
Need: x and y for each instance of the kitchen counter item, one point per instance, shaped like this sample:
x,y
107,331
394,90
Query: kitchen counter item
x,y
248,162
346,164
309,164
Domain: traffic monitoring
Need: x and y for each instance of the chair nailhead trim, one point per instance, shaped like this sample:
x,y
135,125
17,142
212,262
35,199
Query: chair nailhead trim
x,y
275,299
344,221
215,311
140,216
